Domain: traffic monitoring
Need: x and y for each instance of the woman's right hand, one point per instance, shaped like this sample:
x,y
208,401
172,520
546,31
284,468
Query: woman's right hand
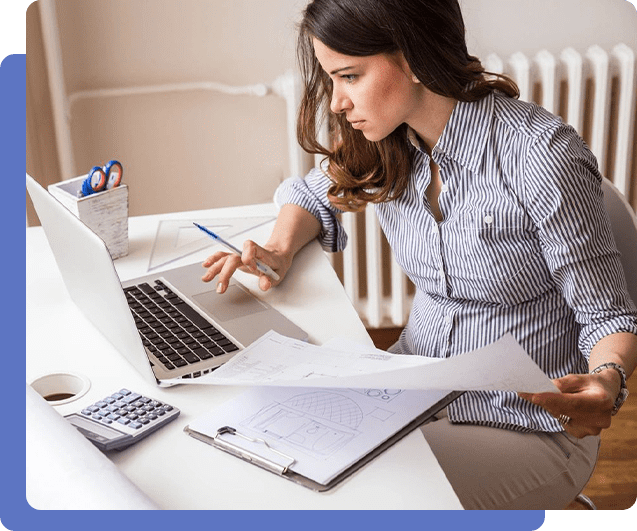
x,y
294,228
223,265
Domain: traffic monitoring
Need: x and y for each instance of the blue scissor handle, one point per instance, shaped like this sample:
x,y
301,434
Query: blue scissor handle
x,y
95,182
110,176
114,173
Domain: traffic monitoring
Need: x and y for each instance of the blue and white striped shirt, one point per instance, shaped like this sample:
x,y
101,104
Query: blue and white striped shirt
x,y
525,246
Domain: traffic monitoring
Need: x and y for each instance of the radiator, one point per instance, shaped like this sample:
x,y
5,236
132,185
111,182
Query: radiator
x,y
594,92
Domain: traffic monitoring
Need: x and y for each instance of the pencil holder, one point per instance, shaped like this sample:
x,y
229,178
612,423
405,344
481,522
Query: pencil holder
x,y
105,213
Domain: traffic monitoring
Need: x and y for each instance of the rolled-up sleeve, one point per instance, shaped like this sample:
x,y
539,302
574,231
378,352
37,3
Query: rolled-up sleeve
x,y
310,193
564,196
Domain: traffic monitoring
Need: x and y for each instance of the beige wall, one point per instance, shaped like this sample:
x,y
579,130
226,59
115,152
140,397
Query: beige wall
x,y
503,26
180,151
41,155
197,150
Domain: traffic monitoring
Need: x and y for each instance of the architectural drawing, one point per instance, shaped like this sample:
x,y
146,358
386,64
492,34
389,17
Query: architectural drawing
x,y
384,395
319,423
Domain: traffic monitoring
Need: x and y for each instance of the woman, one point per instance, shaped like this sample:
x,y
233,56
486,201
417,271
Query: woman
x,y
493,208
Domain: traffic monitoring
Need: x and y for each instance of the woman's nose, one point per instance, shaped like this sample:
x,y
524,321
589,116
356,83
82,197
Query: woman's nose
x,y
340,102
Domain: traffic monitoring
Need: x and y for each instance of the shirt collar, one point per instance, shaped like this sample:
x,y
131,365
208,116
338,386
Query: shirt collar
x,y
464,137
415,140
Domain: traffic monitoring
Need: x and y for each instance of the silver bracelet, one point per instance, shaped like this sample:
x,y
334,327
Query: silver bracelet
x,y
623,391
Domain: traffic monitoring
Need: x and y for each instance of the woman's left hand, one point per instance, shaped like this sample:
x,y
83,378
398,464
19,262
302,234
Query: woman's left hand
x,y
587,399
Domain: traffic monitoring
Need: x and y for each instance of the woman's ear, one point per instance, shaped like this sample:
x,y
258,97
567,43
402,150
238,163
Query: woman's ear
x,y
405,67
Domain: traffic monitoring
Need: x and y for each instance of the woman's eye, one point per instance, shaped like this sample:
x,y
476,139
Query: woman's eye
x,y
349,78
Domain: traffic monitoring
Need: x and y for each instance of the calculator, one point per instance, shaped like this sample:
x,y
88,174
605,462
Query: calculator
x,y
121,419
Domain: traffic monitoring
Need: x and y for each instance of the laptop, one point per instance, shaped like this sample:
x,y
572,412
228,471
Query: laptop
x,y
169,325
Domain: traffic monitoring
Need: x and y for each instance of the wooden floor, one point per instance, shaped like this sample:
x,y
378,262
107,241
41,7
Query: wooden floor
x,y
614,481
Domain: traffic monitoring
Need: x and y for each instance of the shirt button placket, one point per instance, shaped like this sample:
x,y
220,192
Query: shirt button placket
x,y
441,268
448,326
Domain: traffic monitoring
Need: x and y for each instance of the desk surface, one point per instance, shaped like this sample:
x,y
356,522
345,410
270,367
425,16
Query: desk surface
x,y
174,470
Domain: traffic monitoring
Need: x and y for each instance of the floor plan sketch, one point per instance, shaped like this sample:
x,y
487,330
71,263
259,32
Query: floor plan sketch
x,y
318,422
323,430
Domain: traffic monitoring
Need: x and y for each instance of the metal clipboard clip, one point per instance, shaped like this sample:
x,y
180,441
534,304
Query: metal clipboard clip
x,y
249,455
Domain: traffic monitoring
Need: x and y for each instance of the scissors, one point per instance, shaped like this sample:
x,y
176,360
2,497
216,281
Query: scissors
x,y
110,176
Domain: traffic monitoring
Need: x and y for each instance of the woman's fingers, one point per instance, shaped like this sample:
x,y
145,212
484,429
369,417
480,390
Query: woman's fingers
x,y
223,265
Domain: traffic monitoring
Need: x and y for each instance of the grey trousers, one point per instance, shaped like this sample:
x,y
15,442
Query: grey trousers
x,y
491,468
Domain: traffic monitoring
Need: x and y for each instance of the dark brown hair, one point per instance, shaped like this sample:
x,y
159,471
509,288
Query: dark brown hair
x,y
431,36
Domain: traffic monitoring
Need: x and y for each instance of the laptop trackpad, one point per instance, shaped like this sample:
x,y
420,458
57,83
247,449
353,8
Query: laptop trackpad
x,y
232,304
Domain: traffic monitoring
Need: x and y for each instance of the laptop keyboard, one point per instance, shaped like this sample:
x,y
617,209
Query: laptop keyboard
x,y
173,331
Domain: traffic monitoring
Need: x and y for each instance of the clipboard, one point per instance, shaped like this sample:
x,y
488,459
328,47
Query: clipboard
x,y
229,440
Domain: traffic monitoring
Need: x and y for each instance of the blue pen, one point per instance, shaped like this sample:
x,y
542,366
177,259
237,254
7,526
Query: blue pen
x,y
264,268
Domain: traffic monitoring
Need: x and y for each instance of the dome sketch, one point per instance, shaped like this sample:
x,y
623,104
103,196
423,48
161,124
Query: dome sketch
x,y
328,406
317,422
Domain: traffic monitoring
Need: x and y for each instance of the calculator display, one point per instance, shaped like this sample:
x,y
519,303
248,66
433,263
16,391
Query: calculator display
x,y
94,430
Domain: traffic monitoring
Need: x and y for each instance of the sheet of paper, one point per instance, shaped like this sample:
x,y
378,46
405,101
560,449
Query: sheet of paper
x,y
278,360
322,431
64,471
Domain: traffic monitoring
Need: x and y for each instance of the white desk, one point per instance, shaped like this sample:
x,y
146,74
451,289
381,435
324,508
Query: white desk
x,y
172,469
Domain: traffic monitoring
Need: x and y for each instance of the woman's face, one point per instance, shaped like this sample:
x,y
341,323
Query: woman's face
x,y
376,93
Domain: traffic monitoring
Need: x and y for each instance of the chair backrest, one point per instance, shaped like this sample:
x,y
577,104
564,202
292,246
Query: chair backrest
x,y
624,225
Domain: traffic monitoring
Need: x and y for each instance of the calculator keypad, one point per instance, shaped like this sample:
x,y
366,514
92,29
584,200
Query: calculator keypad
x,y
125,409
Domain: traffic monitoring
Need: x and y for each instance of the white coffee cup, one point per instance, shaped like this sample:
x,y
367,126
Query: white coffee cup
x,y
61,387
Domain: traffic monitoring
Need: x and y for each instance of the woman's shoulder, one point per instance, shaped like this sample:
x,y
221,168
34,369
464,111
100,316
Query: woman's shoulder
x,y
527,119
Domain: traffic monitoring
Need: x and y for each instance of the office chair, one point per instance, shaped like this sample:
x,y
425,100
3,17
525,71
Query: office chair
x,y
624,225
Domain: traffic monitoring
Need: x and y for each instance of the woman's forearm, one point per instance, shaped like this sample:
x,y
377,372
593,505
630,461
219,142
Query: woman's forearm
x,y
619,348
294,228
